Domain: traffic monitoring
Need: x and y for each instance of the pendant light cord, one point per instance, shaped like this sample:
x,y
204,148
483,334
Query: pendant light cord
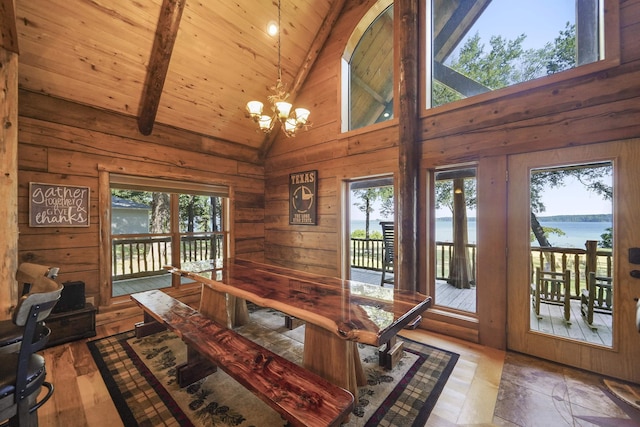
x,y
279,48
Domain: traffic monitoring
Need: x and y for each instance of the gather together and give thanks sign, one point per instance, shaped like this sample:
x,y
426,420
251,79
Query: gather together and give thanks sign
x,y
54,205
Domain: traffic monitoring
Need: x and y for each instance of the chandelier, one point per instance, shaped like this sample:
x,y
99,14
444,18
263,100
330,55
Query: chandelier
x,y
291,119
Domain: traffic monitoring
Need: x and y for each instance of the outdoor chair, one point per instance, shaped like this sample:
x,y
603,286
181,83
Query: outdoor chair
x,y
22,373
387,251
598,298
27,277
552,287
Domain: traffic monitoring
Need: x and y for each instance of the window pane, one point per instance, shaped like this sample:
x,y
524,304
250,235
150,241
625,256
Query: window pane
x,y
145,239
480,46
571,236
199,213
140,243
455,251
371,74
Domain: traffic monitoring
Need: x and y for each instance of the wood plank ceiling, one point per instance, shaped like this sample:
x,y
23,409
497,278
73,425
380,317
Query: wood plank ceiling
x,y
216,57
193,65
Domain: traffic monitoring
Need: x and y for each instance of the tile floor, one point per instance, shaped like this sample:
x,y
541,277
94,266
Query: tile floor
x,y
534,392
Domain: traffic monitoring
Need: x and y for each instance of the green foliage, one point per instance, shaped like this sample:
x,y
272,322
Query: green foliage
x,y
199,213
444,193
365,198
505,62
607,239
548,231
360,234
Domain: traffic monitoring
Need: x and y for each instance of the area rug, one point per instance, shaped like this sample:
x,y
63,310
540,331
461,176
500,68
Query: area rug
x,y
140,376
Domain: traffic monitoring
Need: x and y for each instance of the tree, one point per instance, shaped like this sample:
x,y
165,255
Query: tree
x,y
160,213
368,196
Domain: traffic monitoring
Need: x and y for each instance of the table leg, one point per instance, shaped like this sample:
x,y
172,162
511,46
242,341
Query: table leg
x,y
333,358
223,309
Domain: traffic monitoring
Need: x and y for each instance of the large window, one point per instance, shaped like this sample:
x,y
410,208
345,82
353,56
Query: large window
x,y
155,223
478,46
368,62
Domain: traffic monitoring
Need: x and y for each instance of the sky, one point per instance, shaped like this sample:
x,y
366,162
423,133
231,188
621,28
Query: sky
x,y
572,199
540,20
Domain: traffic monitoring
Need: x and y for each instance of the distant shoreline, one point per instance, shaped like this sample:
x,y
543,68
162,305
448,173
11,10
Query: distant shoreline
x,y
558,218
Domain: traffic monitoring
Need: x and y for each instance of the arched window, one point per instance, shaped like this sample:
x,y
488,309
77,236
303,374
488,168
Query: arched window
x,y
368,69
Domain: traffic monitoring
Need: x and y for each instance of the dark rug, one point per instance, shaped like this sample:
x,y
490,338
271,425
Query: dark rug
x,y
140,376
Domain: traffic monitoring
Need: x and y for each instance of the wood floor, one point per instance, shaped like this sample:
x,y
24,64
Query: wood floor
x,y
488,387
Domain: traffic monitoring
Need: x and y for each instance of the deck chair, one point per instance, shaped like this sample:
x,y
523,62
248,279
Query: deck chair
x,y
387,251
598,298
552,287
22,373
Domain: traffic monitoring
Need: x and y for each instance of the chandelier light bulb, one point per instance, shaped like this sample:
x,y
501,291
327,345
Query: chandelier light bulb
x,y
255,109
283,109
302,115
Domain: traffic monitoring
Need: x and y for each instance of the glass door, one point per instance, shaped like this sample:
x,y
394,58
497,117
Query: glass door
x,y
570,226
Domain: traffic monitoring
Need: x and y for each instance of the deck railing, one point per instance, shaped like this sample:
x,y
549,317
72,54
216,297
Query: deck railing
x,y
368,253
135,256
143,255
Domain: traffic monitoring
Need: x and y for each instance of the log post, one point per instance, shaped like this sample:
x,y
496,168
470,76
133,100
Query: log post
x,y
591,263
408,149
8,158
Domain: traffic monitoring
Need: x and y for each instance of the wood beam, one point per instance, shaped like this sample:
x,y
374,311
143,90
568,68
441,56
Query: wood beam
x,y
8,31
456,27
166,33
312,55
408,147
8,180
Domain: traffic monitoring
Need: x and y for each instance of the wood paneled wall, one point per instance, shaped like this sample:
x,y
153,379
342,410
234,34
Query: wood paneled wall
x,y
586,109
65,143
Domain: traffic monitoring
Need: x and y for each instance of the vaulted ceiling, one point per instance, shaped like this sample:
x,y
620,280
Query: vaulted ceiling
x,y
191,64
188,64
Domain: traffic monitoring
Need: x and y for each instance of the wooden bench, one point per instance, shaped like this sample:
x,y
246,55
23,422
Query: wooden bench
x,y
300,396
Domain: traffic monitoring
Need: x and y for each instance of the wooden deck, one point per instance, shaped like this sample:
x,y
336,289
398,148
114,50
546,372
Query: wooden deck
x,y
551,320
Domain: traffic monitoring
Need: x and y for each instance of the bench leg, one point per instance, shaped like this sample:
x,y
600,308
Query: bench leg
x,y
194,369
148,326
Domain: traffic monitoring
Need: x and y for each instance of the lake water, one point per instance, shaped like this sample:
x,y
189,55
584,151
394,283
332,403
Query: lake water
x,y
576,233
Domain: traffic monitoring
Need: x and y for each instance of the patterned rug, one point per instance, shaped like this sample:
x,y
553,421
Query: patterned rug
x,y
140,376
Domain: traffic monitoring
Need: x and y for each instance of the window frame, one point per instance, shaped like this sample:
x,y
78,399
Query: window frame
x,y
611,47
174,186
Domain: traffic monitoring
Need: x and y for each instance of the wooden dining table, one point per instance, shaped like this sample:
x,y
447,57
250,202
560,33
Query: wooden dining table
x,y
338,313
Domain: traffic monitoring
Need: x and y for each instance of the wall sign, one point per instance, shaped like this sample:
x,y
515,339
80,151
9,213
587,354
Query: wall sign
x,y
53,205
303,188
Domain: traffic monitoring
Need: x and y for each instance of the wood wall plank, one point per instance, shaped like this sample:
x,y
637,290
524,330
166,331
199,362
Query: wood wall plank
x,y
8,172
77,150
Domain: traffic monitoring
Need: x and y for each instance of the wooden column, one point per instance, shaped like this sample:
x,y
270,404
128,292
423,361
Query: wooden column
x,y
8,158
408,150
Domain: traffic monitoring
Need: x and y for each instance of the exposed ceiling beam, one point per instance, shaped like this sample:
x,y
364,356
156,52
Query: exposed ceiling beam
x,y
8,31
166,33
457,81
303,72
456,27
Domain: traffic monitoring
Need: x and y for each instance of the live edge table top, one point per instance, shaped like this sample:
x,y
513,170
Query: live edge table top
x,y
354,311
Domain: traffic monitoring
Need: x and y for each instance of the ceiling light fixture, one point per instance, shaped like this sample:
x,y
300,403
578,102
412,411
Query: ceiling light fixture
x,y
292,119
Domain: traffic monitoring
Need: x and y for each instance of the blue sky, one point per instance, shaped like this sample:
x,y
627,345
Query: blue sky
x,y
540,20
